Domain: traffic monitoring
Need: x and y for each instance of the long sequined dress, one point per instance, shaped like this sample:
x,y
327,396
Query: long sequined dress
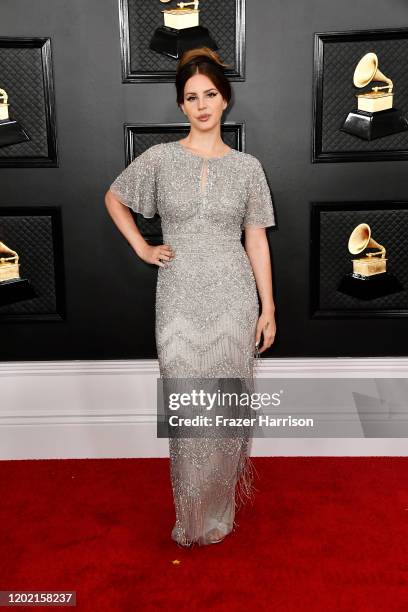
x,y
206,309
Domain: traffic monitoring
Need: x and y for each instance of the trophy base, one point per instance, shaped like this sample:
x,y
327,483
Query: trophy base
x,y
369,287
173,43
11,132
369,126
16,290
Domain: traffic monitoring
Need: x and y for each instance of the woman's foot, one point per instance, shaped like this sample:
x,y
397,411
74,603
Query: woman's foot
x,y
214,536
178,536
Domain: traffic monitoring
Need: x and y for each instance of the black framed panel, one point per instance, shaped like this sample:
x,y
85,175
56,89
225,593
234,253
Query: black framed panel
x,y
141,136
138,21
35,234
336,56
26,75
335,290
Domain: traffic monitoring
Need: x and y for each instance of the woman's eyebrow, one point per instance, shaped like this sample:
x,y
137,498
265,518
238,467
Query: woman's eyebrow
x,y
206,91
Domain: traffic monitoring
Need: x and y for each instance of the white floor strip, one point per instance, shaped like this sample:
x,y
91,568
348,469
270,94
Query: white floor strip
x,y
77,409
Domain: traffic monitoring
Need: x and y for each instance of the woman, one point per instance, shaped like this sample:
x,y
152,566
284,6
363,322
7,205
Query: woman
x,y
207,310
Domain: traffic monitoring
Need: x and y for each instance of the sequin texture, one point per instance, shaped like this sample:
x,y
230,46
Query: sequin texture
x,y
206,309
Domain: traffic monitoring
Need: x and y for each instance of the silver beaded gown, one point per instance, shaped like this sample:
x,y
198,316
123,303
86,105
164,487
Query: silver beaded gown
x,y
206,309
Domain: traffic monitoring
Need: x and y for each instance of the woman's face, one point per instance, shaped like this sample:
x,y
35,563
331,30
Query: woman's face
x,y
202,98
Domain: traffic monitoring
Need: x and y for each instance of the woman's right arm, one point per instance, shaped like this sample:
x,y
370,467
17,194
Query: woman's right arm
x,y
123,219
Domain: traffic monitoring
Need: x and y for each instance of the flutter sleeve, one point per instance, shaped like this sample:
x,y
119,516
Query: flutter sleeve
x,y
136,185
259,210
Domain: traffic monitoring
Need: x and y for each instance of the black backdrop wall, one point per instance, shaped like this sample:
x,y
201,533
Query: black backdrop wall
x,y
109,291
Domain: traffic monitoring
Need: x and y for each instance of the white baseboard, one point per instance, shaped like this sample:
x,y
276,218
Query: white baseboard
x,y
101,409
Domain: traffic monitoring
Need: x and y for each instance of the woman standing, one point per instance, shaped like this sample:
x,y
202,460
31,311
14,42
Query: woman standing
x,y
207,311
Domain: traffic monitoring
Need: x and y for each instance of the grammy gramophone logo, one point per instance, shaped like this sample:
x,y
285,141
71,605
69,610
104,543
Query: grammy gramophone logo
x,y
13,288
375,115
11,132
181,30
369,278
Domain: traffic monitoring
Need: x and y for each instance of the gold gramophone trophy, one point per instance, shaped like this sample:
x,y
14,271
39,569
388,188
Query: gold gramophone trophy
x,y
369,278
13,288
11,131
181,31
375,116
373,262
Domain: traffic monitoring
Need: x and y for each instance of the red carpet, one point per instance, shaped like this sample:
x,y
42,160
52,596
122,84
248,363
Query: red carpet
x,y
322,534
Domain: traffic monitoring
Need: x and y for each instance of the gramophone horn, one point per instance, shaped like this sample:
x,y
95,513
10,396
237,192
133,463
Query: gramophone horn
x,y
360,239
367,71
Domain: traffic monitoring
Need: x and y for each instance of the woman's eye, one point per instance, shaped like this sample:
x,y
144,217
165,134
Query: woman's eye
x,y
212,94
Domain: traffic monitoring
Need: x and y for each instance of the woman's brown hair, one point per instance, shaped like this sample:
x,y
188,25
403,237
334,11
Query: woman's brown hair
x,y
202,60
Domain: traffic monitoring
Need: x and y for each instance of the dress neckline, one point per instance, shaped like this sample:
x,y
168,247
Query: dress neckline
x,y
230,152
